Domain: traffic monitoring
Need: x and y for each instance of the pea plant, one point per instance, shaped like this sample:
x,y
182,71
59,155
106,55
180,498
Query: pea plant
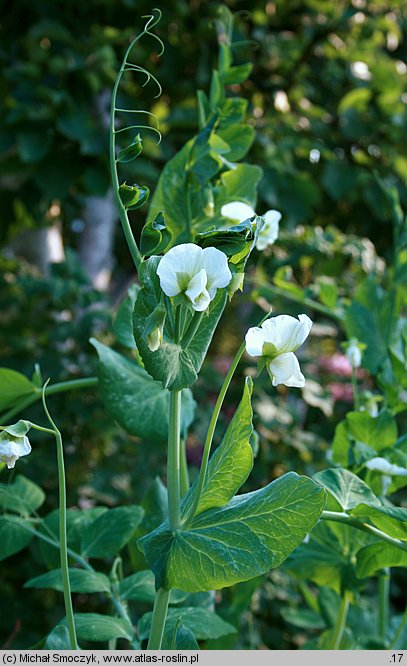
x,y
336,531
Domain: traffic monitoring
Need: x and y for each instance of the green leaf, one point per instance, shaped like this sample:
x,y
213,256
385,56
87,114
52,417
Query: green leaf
x,y
239,138
238,184
110,532
347,488
174,366
120,380
367,319
377,432
130,152
180,638
58,639
99,628
202,623
328,557
155,237
246,538
140,587
388,518
379,556
231,463
80,580
237,74
13,536
133,196
14,387
123,321
22,496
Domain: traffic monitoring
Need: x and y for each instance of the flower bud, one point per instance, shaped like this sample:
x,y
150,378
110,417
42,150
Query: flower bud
x,y
154,329
354,353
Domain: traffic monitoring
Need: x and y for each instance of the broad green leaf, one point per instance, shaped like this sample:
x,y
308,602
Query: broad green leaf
x,y
18,429
13,536
388,518
110,532
99,628
347,488
77,524
238,184
174,366
123,322
367,319
14,387
327,559
239,138
379,556
22,496
80,580
180,638
58,639
246,538
377,432
231,463
203,623
140,587
134,399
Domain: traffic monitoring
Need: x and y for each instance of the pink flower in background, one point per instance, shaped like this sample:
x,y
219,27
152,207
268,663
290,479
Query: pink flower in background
x,y
342,392
338,364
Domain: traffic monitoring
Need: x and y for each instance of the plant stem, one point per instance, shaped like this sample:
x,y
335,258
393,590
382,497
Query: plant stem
x,y
384,593
184,469
63,544
60,387
210,433
364,527
341,621
173,462
158,620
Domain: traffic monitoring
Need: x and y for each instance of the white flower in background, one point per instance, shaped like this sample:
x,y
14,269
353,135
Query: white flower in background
x,y
188,269
276,341
12,448
354,353
239,211
385,467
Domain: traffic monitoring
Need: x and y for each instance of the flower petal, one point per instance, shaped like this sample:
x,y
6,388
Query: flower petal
x,y
254,341
216,266
197,292
237,210
269,233
285,369
180,263
287,333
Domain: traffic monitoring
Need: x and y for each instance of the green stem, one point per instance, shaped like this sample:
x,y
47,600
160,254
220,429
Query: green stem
x,y
384,593
400,630
60,387
364,527
184,469
63,544
158,621
192,328
210,433
341,621
173,464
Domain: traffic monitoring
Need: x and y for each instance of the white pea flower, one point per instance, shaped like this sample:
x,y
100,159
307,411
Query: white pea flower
x,y
195,272
276,341
12,448
354,353
239,211
385,467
